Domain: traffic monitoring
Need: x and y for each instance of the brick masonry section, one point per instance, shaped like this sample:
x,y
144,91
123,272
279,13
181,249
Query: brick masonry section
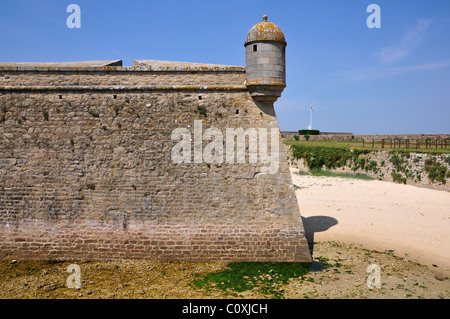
x,y
86,169
37,240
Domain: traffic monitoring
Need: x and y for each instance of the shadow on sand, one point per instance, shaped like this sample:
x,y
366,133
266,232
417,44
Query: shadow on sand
x,y
315,224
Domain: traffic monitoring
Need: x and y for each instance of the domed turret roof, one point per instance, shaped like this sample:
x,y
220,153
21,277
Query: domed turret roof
x,y
265,31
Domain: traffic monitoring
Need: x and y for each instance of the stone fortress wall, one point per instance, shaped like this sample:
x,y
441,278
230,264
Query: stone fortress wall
x,y
86,169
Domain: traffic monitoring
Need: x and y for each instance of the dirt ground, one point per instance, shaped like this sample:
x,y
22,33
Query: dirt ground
x,y
338,271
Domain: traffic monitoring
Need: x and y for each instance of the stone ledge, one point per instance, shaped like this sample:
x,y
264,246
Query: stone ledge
x,y
126,88
140,68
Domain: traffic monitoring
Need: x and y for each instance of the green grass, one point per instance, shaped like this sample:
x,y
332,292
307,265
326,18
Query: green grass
x,y
368,146
320,172
267,277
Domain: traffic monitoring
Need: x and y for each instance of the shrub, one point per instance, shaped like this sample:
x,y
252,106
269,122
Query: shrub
x,y
436,171
201,110
330,157
447,160
45,113
93,113
296,137
309,132
362,162
91,186
398,177
418,177
371,166
397,161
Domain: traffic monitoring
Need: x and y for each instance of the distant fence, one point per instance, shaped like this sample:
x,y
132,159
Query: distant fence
x,y
408,143
424,140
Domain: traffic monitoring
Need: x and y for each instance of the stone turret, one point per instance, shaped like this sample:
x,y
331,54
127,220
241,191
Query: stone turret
x,y
265,62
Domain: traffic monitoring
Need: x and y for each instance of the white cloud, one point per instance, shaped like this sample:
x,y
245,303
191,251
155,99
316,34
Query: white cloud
x,y
371,73
410,41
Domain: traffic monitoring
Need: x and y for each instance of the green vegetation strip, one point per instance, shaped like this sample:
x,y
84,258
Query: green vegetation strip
x,y
320,172
265,277
331,156
319,156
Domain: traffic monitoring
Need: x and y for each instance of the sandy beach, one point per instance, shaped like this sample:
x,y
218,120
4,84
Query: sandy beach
x,y
412,221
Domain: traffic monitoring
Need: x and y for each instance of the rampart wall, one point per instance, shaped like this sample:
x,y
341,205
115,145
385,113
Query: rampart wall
x,y
86,169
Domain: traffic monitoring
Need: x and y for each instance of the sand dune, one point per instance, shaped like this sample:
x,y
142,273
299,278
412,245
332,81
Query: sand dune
x,y
380,215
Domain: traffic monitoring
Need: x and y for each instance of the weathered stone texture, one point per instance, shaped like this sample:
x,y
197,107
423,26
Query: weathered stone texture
x,y
88,174
267,62
120,78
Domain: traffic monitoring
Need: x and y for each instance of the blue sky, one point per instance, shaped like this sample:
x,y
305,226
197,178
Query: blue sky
x,y
391,80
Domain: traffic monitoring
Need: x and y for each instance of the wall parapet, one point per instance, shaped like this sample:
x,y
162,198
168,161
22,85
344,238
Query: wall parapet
x,y
139,68
125,88
112,78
